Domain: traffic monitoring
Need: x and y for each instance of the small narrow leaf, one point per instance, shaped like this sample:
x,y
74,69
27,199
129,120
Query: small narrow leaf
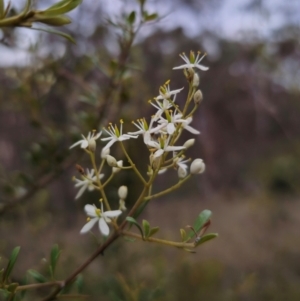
x,y
11,263
206,238
150,17
79,283
134,222
26,8
183,235
153,231
202,218
1,9
146,227
37,276
61,9
54,256
141,209
59,33
131,18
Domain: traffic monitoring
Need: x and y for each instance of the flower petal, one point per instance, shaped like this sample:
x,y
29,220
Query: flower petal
x,y
88,226
90,210
113,213
103,227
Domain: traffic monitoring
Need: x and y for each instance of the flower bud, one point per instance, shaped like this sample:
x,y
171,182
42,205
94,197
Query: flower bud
x,y
189,143
181,173
197,167
196,80
154,162
92,145
111,161
105,152
118,168
198,96
122,192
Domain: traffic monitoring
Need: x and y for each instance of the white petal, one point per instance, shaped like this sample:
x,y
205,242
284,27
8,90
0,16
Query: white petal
x,y
81,191
201,67
103,227
186,66
113,213
170,128
90,210
191,130
76,143
158,153
89,225
84,144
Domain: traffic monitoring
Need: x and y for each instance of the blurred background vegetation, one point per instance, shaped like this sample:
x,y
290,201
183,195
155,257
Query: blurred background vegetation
x,y
52,91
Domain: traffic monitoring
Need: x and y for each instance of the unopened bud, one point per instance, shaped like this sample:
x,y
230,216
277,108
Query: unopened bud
x,y
196,80
189,143
198,96
154,161
122,192
189,74
197,167
181,173
111,161
118,168
92,145
105,152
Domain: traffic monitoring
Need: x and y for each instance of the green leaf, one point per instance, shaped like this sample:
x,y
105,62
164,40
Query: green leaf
x,y
61,8
153,231
131,18
52,20
12,287
79,283
1,9
37,276
134,222
26,8
150,17
206,238
59,33
146,227
54,256
183,235
202,218
140,209
11,263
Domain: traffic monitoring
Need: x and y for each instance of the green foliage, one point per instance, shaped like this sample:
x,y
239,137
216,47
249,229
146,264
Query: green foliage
x,y
54,256
10,265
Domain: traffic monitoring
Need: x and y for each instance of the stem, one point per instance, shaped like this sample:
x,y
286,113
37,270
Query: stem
x,y
132,164
176,186
103,194
39,285
73,276
160,241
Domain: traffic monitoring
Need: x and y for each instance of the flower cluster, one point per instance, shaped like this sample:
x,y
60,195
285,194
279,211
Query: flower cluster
x,y
161,136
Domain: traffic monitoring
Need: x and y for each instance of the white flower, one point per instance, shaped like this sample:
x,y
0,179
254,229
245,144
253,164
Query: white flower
x,y
192,62
115,135
171,121
89,141
161,146
143,127
87,182
165,91
98,215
